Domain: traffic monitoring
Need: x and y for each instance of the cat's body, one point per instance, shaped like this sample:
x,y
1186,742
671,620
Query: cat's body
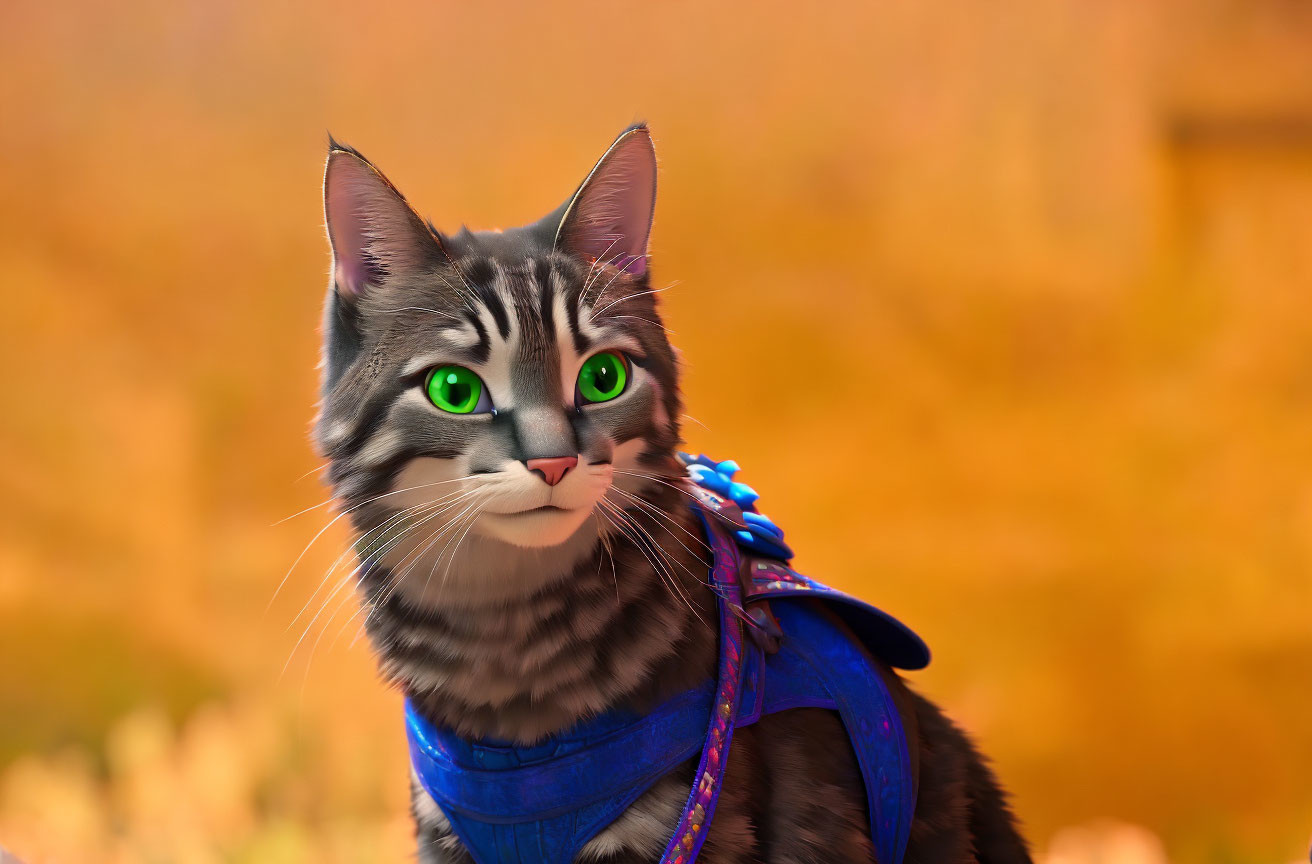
x,y
530,559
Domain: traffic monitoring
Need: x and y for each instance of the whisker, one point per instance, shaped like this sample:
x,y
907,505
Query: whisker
x,y
393,579
588,278
455,549
325,528
661,514
604,539
469,297
403,568
588,286
661,480
412,558
331,501
314,648
659,558
644,542
618,273
438,560
359,567
311,471
667,330
391,520
332,568
603,309
419,309
660,548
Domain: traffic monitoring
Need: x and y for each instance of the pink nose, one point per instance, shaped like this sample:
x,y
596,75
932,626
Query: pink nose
x,y
552,469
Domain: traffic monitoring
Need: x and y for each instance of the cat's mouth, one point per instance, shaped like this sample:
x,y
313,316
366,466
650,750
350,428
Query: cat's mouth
x,y
531,515
543,510
544,525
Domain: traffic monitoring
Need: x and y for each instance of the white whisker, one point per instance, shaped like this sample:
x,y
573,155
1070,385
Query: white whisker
x,y
325,528
603,309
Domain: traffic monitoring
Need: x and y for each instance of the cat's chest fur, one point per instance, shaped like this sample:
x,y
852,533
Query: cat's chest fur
x,y
613,630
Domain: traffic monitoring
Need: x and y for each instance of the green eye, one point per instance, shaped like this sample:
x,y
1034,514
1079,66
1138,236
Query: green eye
x,y
455,389
602,377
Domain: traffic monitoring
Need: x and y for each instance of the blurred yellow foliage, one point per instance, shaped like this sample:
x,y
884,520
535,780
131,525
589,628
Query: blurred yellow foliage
x,y
200,795
1004,307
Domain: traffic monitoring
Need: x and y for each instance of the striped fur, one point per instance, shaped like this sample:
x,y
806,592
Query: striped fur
x,y
507,607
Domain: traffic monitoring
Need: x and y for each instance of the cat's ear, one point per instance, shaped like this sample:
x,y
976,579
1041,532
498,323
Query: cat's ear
x,y
609,217
373,231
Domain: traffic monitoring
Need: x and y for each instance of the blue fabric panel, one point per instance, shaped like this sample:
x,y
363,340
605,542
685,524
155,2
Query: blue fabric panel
x,y
457,775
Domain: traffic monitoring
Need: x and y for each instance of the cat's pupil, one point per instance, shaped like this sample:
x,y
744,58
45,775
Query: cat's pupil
x,y
457,391
602,378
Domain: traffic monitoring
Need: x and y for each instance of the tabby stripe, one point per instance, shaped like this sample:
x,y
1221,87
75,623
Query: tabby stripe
x,y
546,297
483,349
581,342
490,296
367,421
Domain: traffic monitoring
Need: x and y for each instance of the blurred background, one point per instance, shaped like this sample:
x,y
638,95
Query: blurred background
x,y
1004,307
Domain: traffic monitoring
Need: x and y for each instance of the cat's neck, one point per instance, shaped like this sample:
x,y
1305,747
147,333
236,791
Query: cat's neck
x,y
624,624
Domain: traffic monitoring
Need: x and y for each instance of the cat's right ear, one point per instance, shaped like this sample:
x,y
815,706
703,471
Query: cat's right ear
x,y
609,217
374,233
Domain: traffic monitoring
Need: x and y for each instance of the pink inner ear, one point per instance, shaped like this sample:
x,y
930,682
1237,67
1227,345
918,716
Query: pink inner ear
x,y
350,278
634,264
343,209
610,218
371,226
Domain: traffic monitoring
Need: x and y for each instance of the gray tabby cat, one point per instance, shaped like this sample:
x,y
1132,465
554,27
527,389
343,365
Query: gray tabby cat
x,y
501,415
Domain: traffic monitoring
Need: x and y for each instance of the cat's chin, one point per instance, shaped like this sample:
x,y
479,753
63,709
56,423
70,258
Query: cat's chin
x,y
536,528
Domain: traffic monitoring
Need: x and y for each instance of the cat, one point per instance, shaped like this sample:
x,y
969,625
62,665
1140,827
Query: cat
x,y
500,413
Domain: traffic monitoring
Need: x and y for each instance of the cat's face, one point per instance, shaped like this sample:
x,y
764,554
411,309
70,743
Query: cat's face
x,y
490,391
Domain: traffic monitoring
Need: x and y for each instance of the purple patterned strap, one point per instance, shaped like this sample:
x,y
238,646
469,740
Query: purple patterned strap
x,y
691,830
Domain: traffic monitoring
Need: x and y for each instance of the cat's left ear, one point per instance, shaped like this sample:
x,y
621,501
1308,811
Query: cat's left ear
x,y
609,217
374,233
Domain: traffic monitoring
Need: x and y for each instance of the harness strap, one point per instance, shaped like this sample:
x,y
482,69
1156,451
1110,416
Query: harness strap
x,y
690,832
817,668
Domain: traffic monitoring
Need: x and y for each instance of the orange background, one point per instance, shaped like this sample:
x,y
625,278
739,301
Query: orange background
x,y
1004,307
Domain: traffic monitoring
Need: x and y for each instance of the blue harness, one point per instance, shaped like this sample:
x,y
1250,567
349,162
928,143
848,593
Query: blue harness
x,y
511,804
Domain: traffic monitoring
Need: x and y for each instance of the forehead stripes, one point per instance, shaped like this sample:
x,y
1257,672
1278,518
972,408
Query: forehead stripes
x,y
483,275
534,308
523,303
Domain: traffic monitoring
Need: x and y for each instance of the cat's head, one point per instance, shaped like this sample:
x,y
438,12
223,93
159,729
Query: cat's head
x,y
491,389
